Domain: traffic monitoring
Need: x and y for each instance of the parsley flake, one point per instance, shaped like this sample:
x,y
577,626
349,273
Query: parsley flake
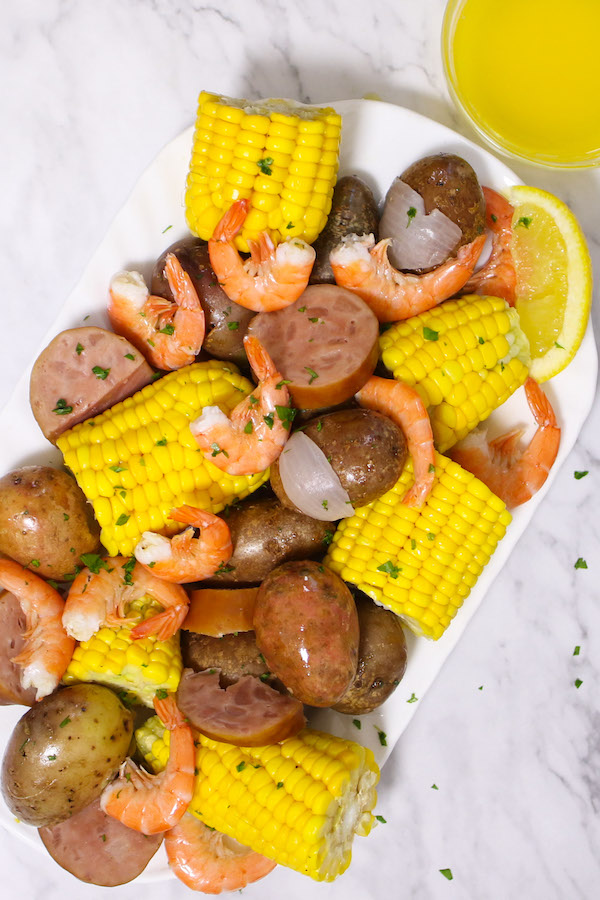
x,y
382,737
100,373
525,221
286,414
162,694
578,682
168,329
447,873
279,784
581,563
312,374
265,165
269,419
390,569
233,326
381,819
429,334
579,475
129,356
79,349
241,766
280,384
357,723
161,443
248,428
128,568
434,787
62,408
94,562
560,346
122,520
216,450
64,722
411,214
412,699
576,651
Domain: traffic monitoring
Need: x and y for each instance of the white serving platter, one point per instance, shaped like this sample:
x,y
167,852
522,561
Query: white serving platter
x,y
379,141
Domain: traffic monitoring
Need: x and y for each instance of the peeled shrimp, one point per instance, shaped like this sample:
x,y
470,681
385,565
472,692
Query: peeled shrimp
x,y
211,862
403,405
48,649
169,334
514,475
498,276
272,278
363,267
101,598
155,803
184,557
256,431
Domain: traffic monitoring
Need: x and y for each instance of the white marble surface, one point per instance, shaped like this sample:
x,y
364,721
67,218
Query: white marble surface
x,y
92,91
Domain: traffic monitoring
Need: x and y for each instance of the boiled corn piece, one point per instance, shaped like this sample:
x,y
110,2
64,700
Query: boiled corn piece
x,y
137,668
464,357
280,155
138,460
421,563
299,802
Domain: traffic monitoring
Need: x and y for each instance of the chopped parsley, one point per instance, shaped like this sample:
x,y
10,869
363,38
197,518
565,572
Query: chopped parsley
x,y
252,399
382,736
118,469
447,873
494,218
290,225
168,329
241,766
412,699
328,537
100,373
576,651
286,414
279,784
381,819
301,309
413,544
430,536
269,419
525,221
578,682
389,568
248,428
62,408
79,349
103,837
410,215
161,443
429,334
123,519
579,475
166,229
357,723
265,165
216,450
581,563
434,787
94,562
324,504
313,319
224,569
129,356
53,757
560,346
233,326
128,568
312,374
280,384
64,722
431,468
162,694
35,563
481,340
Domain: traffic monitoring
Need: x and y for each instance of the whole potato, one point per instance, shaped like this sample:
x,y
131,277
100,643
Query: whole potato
x,y
45,521
448,182
63,752
381,658
307,629
264,534
367,451
226,321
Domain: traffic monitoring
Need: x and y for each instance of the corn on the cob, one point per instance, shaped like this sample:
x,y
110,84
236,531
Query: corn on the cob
x,y
421,563
299,802
464,357
138,668
138,460
281,156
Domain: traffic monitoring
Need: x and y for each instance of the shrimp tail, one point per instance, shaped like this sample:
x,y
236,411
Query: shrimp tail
x,y
539,404
168,712
231,222
164,624
191,515
261,363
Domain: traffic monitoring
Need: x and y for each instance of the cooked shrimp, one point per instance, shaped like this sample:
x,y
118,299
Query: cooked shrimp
x,y
272,278
101,597
155,803
169,334
211,862
48,648
514,475
363,267
403,405
256,431
184,557
498,275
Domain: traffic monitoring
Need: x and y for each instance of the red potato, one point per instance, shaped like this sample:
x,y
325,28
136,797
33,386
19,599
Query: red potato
x,y
248,713
11,643
99,849
82,372
325,344
307,629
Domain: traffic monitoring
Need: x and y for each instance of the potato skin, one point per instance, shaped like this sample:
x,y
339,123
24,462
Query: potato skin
x,y
367,451
226,321
264,534
63,752
381,658
233,654
353,211
448,182
307,629
45,517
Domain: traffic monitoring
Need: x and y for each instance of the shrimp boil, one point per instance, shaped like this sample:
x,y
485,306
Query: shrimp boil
x,y
363,267
498,275
211,862
155,803
48,648
514,475
168,333
256,431
185,557
272,278
404,406
101,598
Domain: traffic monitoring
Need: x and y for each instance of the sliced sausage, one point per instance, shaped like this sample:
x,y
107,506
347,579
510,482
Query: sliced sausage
x,y
234,655
325,344
82,372
307,629
11,643
219,611
353,211
99,849
226,321
248,713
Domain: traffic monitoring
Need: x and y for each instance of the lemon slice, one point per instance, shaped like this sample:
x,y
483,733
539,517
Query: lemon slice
x,y
554,278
